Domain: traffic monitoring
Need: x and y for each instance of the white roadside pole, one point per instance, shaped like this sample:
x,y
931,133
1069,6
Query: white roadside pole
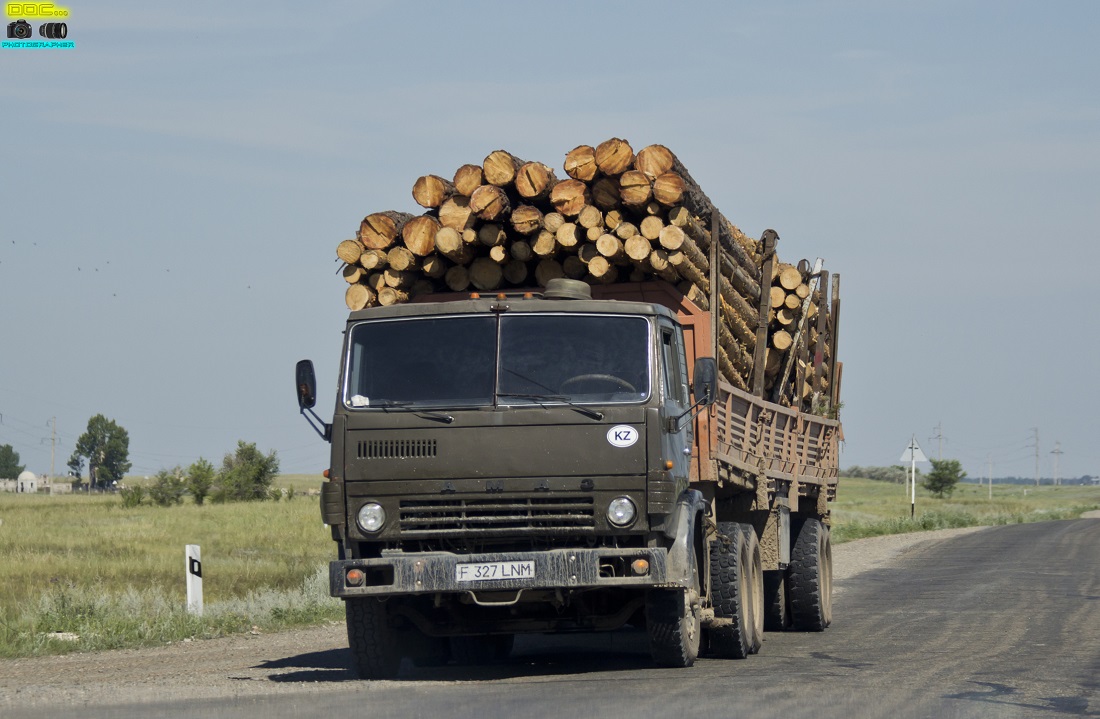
x,y
193,567
912,454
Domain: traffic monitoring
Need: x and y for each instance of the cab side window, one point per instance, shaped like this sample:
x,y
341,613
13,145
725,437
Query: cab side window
x,y
675,373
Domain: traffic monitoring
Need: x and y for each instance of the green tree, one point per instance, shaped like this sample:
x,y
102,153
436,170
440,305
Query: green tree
x,y
200,478
9,463
107,447
245,475
945,474
168,488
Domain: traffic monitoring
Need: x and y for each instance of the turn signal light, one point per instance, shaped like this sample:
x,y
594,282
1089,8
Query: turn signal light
x,y
475,295
669,464
640,567
355,578
325,474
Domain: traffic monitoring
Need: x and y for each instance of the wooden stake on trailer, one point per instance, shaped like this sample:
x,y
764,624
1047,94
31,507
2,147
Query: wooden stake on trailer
x,y
834,320
759,363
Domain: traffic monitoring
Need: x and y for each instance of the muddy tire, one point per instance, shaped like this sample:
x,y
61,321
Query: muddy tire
x,y
477,650
736,592
672,621
810,577
777,617
370,639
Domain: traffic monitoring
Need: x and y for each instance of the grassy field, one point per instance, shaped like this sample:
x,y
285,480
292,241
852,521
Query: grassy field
x,y
866,508
114,577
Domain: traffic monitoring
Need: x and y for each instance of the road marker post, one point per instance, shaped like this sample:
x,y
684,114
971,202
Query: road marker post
x,y
193,568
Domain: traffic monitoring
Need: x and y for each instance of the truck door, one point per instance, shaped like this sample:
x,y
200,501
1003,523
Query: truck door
x,y
675,399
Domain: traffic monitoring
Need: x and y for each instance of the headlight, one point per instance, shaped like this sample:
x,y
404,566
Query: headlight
x,y
371,517
621,511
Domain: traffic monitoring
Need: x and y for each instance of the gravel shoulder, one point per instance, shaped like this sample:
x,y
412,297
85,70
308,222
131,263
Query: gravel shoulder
x,y
295,661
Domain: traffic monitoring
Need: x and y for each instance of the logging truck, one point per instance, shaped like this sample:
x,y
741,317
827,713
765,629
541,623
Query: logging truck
x,y
578,458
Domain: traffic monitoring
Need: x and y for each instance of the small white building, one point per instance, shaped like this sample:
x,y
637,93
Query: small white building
x,y
27,483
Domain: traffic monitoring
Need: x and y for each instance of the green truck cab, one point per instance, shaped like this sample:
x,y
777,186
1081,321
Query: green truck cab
x,y
554,462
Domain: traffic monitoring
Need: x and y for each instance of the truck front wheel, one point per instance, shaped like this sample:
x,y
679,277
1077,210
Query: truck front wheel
x,y
736,592
371,639
810,577
672,621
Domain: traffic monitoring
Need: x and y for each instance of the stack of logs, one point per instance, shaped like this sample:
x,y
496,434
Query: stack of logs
x,y
617,217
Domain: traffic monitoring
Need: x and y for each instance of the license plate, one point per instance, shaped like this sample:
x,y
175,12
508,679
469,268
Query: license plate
x,y
489,571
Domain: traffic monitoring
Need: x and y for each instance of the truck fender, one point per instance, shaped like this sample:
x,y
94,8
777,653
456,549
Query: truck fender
x,y
681,530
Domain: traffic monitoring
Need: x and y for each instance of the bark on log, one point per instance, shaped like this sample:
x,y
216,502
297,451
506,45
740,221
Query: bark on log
x,y
658,259
580,163
635,189
587,252
467,179
419,235
350,251
500,168
526,219
614,156
376,281
359,296
741,280
569,197
431,191
455,213
490,203
379,230
534,181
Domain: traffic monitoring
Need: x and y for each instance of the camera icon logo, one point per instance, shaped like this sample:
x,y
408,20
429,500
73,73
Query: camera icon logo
x,y
53,30
20,30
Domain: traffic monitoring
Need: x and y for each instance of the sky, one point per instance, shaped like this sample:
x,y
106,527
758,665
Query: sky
x,y
173,188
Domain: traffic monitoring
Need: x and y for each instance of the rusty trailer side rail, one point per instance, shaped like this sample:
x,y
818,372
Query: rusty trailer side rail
x,y
755,436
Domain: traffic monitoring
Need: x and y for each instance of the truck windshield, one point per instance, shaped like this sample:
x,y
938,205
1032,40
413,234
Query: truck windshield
x,y
459,361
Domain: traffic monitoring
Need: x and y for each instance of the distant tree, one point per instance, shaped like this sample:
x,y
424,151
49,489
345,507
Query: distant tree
x,y
132,496
9,463
107,447
245,475
168,488
200,478
897,473
945,474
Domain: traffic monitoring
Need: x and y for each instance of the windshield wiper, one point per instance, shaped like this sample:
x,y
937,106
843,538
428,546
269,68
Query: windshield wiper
x,y
426,414
554,398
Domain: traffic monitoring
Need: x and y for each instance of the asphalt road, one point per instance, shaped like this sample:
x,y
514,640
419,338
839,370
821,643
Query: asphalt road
x,y
1003,622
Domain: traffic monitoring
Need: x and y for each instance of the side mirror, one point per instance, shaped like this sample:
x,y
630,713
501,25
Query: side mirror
x,y
305,382
705,381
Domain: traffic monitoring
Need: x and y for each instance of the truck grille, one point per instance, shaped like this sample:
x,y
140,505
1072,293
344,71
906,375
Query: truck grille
x,y
499,515
396,448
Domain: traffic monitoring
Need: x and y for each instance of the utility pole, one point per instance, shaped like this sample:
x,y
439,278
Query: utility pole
x,y
990,470
53,444
1036,431
1057,452
939,437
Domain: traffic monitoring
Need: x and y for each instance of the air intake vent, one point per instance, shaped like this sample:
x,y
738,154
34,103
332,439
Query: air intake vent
x,y
397,448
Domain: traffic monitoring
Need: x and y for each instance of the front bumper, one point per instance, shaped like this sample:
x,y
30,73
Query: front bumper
x,y
436,572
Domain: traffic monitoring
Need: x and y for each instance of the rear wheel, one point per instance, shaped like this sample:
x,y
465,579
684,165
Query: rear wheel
x,y
810,577
736,592
672,621
371,639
